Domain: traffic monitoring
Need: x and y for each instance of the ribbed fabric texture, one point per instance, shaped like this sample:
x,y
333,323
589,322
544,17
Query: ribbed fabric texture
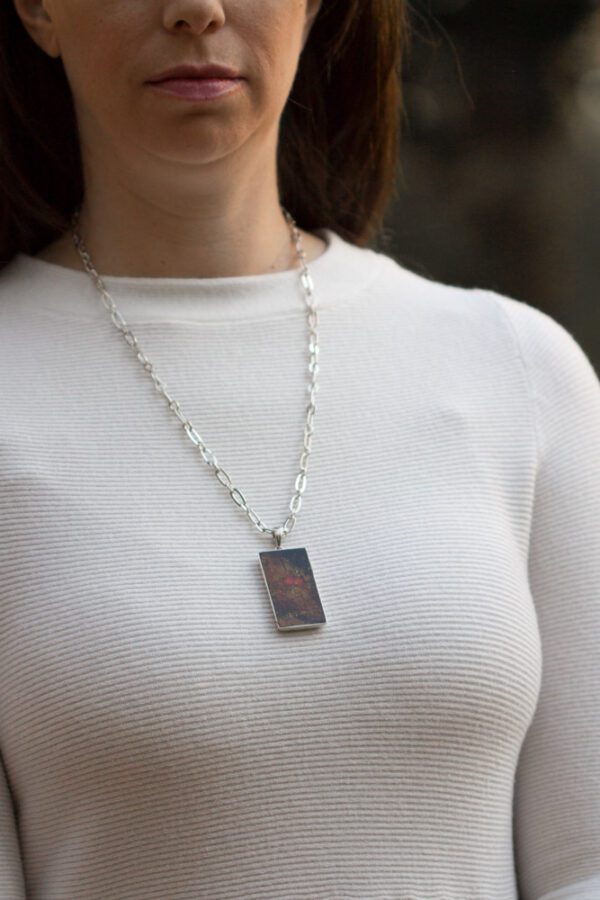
x,y
439,737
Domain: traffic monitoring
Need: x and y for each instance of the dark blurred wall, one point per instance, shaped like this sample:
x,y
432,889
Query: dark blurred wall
x,y
500,164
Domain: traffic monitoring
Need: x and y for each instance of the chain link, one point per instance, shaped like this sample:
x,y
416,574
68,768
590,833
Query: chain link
x,y
207,455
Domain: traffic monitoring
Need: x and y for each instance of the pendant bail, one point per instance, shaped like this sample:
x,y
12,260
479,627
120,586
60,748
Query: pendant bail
x,y
277,536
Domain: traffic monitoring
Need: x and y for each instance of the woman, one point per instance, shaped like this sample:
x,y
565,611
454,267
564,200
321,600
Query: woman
x,y
398,698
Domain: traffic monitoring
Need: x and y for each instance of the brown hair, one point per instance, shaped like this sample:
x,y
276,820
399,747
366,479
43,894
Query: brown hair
x,y
338,143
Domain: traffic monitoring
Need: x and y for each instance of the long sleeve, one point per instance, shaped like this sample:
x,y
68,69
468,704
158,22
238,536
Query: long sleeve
x,y
557,789
12,884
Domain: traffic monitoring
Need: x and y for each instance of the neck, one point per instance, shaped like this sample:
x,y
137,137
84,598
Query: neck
x,y
237,228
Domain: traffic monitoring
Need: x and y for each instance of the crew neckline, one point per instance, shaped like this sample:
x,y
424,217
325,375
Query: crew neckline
x,y
340,272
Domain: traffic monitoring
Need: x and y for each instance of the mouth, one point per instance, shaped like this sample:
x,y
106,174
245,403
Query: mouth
x,y
205,88
192,70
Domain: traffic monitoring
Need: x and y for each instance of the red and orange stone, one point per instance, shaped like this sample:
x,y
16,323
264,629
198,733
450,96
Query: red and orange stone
x,y
292,588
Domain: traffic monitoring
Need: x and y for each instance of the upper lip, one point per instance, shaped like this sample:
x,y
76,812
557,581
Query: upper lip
x,y
210,70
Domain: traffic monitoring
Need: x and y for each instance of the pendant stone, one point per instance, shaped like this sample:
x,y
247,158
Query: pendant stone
x,y
292,589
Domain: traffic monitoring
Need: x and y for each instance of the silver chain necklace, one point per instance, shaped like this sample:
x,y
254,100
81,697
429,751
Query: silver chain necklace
x,y
287,573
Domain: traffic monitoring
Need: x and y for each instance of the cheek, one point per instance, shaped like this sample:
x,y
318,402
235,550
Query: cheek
x,y
98,46
274,48
102,84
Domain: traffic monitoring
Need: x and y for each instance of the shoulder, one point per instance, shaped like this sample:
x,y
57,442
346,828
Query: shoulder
x,y
563,380
540,338
437,303
546,348
16,283
485,331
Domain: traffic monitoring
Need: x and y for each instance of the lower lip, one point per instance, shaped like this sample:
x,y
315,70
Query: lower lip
x,y
197,88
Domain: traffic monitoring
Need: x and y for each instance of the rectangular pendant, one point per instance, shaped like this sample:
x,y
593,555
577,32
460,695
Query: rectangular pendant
x,y
292,589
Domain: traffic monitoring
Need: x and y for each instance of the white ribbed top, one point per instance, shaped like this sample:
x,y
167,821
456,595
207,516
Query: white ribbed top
x,y
439,737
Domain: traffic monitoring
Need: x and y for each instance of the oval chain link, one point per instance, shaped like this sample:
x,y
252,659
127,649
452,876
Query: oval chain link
x,y
207,455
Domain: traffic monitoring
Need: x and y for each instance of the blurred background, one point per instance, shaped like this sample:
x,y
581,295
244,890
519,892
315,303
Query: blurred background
x,y
500,161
